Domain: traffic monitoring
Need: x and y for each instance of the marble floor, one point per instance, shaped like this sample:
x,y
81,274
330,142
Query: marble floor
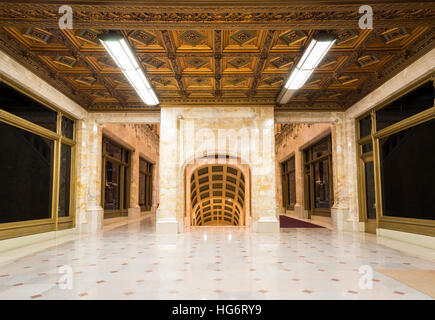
x,y
130,261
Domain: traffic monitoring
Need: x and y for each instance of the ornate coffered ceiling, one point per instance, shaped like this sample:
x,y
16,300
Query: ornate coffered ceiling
x,y
207,55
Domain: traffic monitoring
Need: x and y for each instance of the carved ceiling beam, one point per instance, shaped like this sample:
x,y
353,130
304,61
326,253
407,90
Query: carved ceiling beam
x,y
170,49
95,73
262,61
218,62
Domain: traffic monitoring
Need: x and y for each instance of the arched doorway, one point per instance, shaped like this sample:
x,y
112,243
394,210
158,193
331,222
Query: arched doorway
x,y
217,195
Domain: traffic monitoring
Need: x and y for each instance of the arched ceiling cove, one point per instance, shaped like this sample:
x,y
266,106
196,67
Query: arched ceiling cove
x,y
217,194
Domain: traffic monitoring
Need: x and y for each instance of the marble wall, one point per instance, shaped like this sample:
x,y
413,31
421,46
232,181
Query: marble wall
x,y
246,133
291,142
136,137
310,127
143,143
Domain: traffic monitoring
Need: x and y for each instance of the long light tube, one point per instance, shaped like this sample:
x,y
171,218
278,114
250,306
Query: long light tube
x,y
311,58
123,56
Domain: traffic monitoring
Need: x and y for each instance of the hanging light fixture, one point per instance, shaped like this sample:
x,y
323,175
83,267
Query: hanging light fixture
x,y
118,48
311,58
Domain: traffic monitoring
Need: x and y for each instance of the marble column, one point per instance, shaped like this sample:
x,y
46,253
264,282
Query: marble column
x,y
166,213
299,174
134,208
94,214
343,215
265,212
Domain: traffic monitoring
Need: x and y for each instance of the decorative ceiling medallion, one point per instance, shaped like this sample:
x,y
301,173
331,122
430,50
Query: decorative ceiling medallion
x,y
107,62
65,61
192,36
293,36
368,60
242,36
37,34
142,36
273,80
235,81
161,81
154,62
281,61
90,36
196,62
345,35
395,34
238,62
345,80
86,80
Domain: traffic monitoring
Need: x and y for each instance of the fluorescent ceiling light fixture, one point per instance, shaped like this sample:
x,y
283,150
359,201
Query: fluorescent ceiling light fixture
x,y
124,57
311,58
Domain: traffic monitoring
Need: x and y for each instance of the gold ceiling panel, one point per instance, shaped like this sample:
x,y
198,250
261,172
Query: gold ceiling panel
x,y
238,64
272,81
290,40
197,65
281,64
36,39
85,82
199,83
234,57
242,40
200,41
64,64
350,39
156,65
146,40
236,83
164,83
84,39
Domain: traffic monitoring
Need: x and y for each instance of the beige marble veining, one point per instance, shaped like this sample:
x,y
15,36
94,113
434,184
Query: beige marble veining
x,y
187,134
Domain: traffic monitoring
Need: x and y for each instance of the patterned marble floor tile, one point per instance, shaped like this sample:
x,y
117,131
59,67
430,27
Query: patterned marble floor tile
x,y
132,262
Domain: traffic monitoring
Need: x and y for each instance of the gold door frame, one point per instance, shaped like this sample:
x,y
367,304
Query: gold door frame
x,y
411,225
54,223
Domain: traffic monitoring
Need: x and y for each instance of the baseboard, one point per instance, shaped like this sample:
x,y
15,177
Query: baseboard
x,y
412,238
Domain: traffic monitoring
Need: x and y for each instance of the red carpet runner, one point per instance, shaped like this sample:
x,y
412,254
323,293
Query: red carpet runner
x,y
287,222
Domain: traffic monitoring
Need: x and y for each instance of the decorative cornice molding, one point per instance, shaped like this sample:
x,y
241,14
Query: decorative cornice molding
x,y
310,16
